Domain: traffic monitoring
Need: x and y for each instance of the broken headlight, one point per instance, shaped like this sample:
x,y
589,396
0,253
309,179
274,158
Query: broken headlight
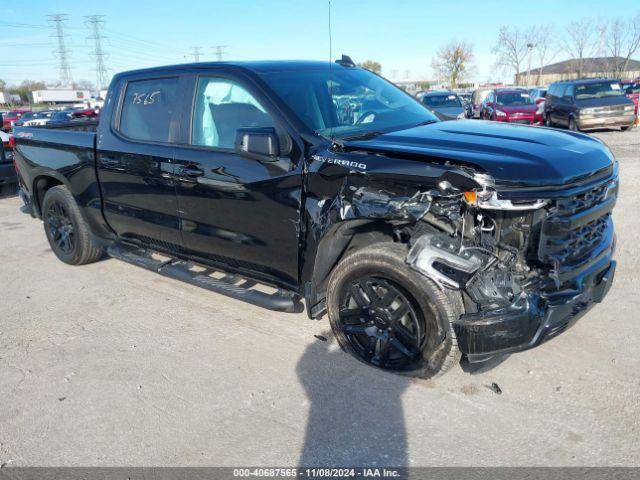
x,y
487,198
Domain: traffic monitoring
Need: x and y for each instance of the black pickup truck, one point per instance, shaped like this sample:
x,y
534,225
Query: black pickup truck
x,y
277,182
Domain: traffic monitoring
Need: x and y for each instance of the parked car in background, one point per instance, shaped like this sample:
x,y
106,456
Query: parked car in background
x,y
8,178
33,119
538,96
588,104
447,105
12,116
466,101
632,91
512,105
477,98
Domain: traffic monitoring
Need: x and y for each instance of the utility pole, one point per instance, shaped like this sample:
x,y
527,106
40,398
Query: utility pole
x,y
195,52
530,47
219,50
96,22
57,21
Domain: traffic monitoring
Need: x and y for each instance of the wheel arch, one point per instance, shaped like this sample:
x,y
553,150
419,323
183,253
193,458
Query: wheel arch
x,y
41,185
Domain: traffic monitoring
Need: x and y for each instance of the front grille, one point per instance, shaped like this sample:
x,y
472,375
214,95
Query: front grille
x,y
576,227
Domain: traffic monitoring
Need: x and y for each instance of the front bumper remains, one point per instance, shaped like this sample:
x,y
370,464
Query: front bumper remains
x,y
537,314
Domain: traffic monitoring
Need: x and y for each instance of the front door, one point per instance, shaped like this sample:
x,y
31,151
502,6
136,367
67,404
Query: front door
x,y
135,164
234,210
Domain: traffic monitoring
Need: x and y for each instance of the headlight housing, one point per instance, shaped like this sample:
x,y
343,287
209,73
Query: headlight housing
x,y
461,116
500,113
487,199
587,111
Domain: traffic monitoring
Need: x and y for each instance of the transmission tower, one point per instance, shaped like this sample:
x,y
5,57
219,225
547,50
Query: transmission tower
x,y
57,22
195,52
95,23
219,50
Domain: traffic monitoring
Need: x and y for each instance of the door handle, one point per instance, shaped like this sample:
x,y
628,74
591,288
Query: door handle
x,y
190,171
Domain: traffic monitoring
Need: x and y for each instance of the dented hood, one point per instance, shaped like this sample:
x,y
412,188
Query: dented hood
x,y
511,154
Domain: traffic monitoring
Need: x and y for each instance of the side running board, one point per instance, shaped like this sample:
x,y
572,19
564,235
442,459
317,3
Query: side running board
x,y
217,281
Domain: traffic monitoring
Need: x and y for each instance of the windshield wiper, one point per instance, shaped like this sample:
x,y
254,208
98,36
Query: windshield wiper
x,y
362,136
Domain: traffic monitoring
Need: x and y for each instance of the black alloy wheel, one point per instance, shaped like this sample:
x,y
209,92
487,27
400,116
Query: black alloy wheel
x,y
381,323
60,228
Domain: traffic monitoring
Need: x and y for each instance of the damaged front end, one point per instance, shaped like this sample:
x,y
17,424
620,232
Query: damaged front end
x,y
527,266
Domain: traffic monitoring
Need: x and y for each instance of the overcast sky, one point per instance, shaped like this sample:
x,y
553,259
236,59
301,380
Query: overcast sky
x,y
401,35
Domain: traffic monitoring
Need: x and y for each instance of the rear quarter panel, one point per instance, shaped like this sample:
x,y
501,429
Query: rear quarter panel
x,y
67,156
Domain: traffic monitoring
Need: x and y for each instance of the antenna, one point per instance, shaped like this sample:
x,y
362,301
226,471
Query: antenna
x,y
57,21
219,50
330,69
96,22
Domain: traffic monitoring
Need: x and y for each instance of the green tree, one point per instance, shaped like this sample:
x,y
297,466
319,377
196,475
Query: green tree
x,y
372,66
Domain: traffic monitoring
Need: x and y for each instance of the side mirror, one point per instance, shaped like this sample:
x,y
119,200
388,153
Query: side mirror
x,y
260,143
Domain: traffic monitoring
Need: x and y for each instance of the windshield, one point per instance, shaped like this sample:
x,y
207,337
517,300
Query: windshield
x,y
60,116
634,86
441,101
346,102
514,98
28,116
598,90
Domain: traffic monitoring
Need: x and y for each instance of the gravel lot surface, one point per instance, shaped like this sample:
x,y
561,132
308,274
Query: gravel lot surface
x,y
109,364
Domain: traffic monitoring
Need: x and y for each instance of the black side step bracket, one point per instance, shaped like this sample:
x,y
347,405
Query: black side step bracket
x,y
231,285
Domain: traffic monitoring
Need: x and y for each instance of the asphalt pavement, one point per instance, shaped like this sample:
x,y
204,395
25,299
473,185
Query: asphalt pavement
x,y
112,365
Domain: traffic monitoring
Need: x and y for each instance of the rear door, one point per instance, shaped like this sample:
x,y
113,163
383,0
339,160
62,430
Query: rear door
x,y
135,161
237,211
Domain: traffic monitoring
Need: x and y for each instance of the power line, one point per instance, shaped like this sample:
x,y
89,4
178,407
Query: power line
x,y
195,51
63,55
219,50
96,22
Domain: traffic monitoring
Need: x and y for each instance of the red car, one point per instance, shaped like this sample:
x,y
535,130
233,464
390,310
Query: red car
x,y
511,105
632,90
10,117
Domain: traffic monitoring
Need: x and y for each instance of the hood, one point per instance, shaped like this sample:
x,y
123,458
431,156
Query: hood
x,y
449,112
604,102
511,109
511,154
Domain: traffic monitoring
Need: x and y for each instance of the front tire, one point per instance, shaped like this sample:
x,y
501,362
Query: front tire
x,y
547,121
390,316
66,230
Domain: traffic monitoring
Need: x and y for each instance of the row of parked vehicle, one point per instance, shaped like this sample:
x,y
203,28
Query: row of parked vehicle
x,y
584,104
27,118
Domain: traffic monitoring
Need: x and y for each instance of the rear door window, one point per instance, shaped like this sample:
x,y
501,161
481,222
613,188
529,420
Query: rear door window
x,y
148,109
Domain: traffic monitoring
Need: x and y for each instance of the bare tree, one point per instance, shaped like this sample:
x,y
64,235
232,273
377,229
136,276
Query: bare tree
x,y
581,41
544,47
453,62
622,42
511,48
372,66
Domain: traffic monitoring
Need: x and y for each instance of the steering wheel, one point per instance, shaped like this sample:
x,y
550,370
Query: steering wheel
x,y
366,114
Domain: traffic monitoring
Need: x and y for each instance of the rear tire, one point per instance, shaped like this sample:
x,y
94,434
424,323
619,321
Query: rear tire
x,y
548,122
573,126
626,129
66,230
390,316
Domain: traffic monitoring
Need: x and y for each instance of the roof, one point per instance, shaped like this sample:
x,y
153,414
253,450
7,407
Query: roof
x,y
589,65
439,93
261,66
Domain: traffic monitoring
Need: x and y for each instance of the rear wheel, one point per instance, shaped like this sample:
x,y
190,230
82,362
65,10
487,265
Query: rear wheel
x,y
391,317
573,126
626,129
66,230
548,122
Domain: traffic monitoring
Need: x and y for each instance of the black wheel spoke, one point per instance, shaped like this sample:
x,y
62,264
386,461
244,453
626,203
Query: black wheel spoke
x,y
60,228
379,321
400,312
399,346
352,329
358,296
